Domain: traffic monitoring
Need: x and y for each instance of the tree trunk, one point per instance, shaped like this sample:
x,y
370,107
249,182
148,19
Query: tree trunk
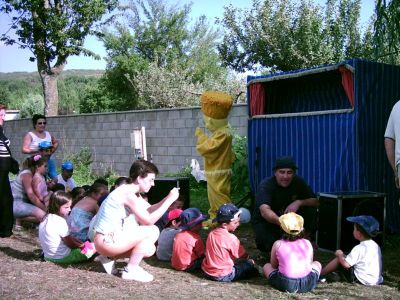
x,y
50,90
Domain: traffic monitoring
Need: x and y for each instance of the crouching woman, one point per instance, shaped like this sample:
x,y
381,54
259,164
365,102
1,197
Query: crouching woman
x,y
124,225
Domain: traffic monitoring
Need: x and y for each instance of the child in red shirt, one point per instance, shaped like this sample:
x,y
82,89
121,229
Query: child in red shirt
x,y
226,259
188,248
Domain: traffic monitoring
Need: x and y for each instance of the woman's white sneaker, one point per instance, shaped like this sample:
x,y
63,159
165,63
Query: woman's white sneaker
x,y
136,273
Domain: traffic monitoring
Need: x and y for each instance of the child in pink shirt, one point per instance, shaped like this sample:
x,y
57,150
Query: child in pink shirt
x,y
39,185
292,268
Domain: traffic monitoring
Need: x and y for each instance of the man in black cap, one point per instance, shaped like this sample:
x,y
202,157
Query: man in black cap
x,y
280,194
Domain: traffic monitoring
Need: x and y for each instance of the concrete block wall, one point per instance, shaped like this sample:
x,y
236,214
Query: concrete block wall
x,y
169,136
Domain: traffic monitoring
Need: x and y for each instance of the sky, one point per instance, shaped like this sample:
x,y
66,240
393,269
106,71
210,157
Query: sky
x,y
14,59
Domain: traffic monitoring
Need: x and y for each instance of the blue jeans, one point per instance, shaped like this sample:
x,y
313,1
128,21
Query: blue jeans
x,y
241,269
293,285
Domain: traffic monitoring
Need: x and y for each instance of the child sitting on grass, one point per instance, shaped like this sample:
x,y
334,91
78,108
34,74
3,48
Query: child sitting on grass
x,y
292,268
188,248
364,263
167,235
178,204
57,244
84,210
226,259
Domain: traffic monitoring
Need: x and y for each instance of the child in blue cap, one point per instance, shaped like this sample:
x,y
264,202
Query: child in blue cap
x,y
188,248
65,178
226,259
364,263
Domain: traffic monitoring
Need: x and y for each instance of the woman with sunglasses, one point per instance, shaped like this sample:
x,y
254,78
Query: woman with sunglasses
x,y
30,144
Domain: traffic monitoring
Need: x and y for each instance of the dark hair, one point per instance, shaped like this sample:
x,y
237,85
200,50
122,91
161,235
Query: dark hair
x,y
3,106
77,193
36,117
96,187
119,181
57,200
362,230
86,187
38,160
58,187
292,237
177,219
141,168
102,181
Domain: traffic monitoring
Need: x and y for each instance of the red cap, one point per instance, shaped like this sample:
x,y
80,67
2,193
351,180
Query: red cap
x,y
174,214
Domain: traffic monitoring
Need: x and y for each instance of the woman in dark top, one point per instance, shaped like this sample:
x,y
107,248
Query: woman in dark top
x,y
6,198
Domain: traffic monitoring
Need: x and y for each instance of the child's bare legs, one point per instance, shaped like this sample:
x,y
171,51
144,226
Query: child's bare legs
x,y
330,267
268,269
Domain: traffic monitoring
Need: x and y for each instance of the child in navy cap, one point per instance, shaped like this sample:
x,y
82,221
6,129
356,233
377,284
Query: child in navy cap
x,y
188,248
364,263
226,259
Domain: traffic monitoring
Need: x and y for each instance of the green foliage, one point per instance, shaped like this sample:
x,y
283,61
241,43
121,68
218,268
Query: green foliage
x,y
33,104
82,161
240,184
282,35
387,31
52,31
22,90
156,59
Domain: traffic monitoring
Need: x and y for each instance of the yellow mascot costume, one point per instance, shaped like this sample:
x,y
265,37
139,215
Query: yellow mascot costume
x,y
216,149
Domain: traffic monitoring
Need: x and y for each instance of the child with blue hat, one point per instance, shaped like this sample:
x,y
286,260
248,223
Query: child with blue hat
x,y
65,178
188,248
364,262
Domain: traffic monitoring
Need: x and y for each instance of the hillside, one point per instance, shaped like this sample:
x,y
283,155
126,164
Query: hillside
x,y
66,73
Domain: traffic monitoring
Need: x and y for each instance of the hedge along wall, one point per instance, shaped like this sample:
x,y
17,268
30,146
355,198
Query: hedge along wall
x,y
169,136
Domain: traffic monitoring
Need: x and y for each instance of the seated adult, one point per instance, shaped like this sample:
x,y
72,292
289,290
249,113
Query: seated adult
x,y
124,225
30,143
280,194
27,206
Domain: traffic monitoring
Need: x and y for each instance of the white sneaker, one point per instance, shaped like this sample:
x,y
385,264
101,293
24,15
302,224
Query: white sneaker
x,y
136,273
108,264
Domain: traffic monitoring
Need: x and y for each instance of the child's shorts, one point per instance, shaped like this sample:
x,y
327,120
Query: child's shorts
x,y
75,256
348,275
241,269
294,285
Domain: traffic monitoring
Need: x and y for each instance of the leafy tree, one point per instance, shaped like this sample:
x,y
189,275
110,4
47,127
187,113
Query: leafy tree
x,y
53,30
33,104
155,59
387,31
285,34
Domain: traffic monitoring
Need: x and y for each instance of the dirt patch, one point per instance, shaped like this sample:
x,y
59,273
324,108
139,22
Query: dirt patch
x,y
25,276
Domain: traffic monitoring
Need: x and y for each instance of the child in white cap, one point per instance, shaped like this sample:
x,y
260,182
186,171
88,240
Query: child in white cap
x,y
292,268
364,262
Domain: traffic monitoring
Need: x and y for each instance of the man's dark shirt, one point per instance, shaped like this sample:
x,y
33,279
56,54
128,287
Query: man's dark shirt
x,y
278,197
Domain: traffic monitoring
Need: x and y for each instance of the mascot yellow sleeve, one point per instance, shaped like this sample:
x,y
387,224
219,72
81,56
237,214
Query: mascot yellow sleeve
x,y
217,148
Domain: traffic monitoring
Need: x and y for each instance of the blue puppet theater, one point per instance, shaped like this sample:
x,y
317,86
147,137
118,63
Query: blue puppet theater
x,y
332,120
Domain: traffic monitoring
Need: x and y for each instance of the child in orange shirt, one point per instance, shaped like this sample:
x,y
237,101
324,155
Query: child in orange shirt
x,y
226,259
188,248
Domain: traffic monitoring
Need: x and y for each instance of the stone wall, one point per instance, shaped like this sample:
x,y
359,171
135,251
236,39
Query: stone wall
x,y
169,136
